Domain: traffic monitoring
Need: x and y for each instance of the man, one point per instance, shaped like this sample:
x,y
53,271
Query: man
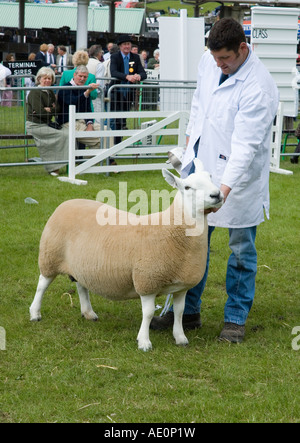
x,y
42,54
63,59
50,57
95,66
4,72
230,132
127,68
82,100
107,54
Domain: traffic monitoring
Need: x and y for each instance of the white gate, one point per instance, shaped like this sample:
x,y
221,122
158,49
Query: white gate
x,y
126,147
276,143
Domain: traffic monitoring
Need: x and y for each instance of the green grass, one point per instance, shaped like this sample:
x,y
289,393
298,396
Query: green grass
x,y
60,369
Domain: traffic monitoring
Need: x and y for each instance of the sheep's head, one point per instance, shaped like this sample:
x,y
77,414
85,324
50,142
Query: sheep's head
x,y
198,191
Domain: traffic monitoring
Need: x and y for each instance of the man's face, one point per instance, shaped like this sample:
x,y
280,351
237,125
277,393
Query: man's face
x,y
125,47
230,61
80,78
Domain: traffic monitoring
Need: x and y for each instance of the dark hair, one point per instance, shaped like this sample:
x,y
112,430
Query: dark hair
x,y
226,33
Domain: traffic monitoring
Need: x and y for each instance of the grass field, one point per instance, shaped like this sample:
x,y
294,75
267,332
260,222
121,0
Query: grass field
x,y
66,369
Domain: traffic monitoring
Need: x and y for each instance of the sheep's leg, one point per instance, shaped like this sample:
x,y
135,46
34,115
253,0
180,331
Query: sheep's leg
x,y
85,304
148,308
35,308
178,306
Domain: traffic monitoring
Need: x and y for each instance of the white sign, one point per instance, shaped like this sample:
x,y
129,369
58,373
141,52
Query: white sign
x,y
152,74
274,41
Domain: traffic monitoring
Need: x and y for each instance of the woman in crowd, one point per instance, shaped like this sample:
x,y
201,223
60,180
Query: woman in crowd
x,y
52,143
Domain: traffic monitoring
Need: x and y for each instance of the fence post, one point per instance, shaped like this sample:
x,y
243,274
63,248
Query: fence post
x,y
72,141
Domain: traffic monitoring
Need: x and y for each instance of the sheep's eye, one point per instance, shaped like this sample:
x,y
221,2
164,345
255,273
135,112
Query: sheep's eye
x,y
187,188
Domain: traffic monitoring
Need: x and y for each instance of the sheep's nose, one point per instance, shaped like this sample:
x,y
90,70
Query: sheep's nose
x,y
216,194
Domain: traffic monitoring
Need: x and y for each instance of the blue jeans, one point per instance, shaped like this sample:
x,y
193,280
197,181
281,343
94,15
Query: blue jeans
x,y
241,272
240,277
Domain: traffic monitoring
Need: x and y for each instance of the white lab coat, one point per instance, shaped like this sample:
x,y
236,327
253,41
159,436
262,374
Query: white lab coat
x,y
234,122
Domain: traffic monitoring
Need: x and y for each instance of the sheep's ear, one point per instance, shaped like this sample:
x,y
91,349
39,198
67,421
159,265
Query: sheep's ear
x,y
198,165
170,178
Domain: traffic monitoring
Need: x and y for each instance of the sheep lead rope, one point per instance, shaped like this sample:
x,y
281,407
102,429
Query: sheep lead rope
x,y
167,306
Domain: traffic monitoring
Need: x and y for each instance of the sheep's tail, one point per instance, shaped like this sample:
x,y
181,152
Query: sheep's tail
x,y
167,306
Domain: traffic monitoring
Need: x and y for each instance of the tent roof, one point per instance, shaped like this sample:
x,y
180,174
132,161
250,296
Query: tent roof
x,y
39,16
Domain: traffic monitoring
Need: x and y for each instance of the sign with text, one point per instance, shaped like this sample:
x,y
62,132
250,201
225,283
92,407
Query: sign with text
x,y
24,67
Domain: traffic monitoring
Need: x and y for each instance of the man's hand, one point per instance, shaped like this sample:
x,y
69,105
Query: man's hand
x,y
133,78
92,87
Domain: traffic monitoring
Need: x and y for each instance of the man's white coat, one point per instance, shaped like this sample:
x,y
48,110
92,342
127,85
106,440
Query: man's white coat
x,y
234,122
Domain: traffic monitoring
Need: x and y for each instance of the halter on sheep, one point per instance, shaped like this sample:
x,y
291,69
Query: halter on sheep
x,y
143,260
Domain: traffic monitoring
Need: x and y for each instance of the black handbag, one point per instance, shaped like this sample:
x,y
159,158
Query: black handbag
x,y
55,125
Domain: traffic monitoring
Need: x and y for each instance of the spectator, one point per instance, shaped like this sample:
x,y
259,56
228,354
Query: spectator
x,y
96,67
63,59
153,63
29,82
4,73
127,68
7,96
81,98
42,54
113,50
134,49
50,57
107,54
52,143
144,58
80,58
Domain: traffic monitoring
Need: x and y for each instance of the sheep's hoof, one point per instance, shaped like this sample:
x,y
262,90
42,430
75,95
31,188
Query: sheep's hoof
x,y
182,342
35,315
91,316
36,318
146,346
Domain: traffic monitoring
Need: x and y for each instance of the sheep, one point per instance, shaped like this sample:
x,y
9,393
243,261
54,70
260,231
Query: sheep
x,y
144,259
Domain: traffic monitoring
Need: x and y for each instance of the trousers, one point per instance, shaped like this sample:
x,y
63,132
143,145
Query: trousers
x,y
240,277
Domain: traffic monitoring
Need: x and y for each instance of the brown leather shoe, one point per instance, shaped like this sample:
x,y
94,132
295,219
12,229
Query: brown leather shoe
x,y
189,321
233,333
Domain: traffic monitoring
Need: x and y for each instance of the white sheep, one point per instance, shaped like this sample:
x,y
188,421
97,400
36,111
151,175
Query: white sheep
x,y
147,258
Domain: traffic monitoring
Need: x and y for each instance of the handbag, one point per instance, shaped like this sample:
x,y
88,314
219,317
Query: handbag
x,y
55,125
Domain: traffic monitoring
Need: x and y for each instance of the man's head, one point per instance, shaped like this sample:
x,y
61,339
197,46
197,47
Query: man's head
x,y
125,44
61,49
51,48
81,75
227,43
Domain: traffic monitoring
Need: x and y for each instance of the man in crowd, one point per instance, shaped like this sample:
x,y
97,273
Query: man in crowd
x,y
128,69
82,100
